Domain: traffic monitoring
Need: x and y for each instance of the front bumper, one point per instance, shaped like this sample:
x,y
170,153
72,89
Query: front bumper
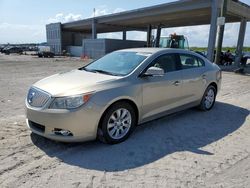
x,y
81,122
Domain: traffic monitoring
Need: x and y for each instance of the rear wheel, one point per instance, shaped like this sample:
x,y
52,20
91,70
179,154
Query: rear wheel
x,y
208,99
117,124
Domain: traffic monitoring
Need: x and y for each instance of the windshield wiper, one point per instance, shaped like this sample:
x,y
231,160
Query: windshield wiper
x,y
103,72
99,71
88,70
83,68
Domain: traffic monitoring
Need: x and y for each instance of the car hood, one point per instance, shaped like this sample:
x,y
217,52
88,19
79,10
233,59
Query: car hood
x,y
73,82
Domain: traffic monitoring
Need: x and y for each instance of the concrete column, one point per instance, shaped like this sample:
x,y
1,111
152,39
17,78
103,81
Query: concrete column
x,y
124,35
221,32
213,30
158,35
94,33
149,34
240,43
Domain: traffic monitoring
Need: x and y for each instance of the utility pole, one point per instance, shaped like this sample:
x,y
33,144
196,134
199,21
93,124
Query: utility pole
x,y
94,33
221,31
94,13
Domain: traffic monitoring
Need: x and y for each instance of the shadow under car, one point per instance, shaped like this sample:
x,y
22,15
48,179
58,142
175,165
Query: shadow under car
x,y
184,131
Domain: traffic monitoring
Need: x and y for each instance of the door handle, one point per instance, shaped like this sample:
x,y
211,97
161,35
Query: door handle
x,y
177,83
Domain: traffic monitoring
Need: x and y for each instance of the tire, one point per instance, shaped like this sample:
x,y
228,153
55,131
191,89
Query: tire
x,y
208,99
117,123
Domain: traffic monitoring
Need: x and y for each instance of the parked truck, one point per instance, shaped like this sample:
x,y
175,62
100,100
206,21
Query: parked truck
x,y
45,51
174,41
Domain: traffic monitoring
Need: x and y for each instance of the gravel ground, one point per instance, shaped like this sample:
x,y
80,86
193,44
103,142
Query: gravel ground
x,y
188,149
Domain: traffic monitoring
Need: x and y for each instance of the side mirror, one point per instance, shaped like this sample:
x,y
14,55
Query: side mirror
x,y
154,71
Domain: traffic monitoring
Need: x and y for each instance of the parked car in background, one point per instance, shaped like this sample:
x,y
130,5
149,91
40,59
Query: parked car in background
x,y
110,96
12,49
46,54
245,58
201,53
1,48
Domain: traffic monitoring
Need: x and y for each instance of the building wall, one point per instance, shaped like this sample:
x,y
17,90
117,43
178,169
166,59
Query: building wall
x,y
114,44
75,51
81,44
54,37
78,38
96,48
73,39
66,40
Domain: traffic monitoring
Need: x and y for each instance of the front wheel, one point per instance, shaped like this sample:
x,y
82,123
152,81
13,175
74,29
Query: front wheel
x,y
117,124
208,99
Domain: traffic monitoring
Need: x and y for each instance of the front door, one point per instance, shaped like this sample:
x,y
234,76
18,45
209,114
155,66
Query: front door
x,y
162,93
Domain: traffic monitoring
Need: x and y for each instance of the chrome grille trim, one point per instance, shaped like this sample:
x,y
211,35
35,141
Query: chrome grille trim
x,y
37,98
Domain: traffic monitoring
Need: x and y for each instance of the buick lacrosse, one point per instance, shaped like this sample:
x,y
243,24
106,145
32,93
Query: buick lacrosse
x,y
107,98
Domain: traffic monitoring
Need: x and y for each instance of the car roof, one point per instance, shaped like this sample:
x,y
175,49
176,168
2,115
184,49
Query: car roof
x,y
153,50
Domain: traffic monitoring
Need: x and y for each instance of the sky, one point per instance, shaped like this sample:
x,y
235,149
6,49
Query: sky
x,y
23,21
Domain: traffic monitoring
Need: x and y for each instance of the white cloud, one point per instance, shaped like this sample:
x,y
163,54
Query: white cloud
x,y
19,33
247,37
197,35
231,34
137,35
63,18
115,35
131,35
104,10
117,10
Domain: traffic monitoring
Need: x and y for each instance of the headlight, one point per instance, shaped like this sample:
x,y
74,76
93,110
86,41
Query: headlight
x,y
69,102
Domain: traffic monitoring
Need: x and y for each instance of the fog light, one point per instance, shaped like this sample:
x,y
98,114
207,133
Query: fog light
x,y
62,132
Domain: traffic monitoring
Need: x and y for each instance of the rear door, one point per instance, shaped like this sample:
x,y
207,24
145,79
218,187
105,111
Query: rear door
x,y
194,77
162,93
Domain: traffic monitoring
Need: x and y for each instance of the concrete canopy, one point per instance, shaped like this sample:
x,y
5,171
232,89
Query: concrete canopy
x,y
175,14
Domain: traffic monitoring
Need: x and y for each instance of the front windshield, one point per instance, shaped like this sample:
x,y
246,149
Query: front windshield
x,y
117,63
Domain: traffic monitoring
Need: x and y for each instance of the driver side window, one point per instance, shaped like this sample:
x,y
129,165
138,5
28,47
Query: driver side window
x,y
166,62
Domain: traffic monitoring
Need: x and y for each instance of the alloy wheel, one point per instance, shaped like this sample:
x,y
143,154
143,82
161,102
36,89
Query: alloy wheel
x,y
209,98
119,123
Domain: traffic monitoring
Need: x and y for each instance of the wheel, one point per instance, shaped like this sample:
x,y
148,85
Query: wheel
x,y
117,123
208,99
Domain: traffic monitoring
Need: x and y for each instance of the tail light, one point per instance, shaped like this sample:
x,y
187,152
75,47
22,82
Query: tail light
x,y
218,75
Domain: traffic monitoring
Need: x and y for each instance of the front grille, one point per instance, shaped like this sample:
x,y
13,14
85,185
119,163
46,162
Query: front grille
x,y
36,126
37,98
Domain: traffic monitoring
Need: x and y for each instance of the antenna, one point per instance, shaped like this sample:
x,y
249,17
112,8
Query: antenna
x,y
94,12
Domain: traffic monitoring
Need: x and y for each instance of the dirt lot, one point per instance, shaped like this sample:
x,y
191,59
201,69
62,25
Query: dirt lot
x,y
188,149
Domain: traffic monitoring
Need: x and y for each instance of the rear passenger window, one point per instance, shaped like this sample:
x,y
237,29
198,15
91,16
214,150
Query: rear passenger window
x,y
201,62
189,61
